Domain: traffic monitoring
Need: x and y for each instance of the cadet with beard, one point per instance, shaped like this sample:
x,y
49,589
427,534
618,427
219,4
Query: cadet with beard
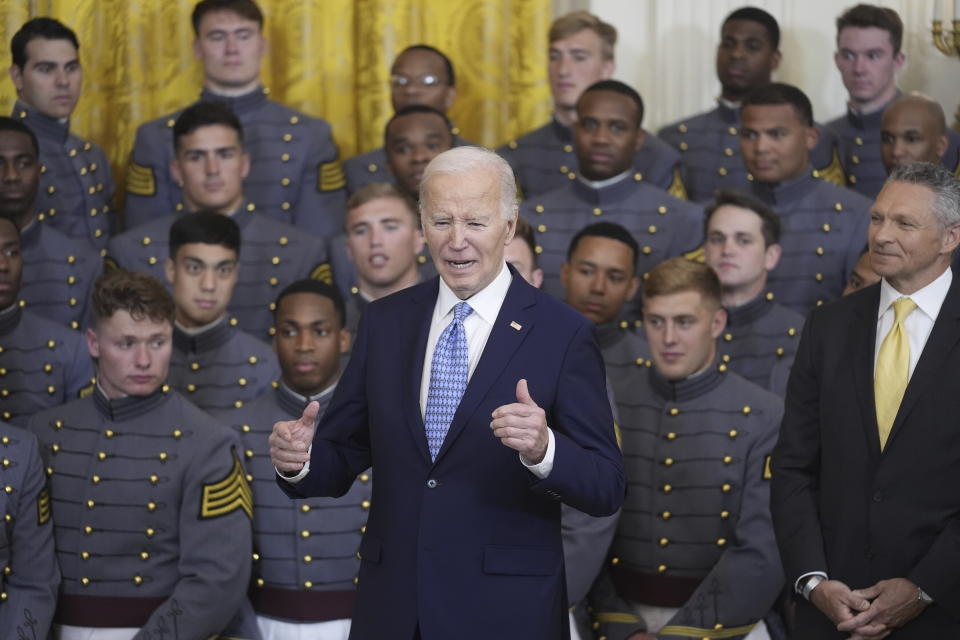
x,y
42,363
76,187
60,270
306,567
608,133
216,365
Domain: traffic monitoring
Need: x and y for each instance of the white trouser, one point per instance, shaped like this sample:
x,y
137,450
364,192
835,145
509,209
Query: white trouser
x,y
67,632
658,617
273,629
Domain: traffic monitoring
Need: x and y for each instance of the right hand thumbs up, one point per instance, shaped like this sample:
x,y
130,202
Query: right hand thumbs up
x,y
291,439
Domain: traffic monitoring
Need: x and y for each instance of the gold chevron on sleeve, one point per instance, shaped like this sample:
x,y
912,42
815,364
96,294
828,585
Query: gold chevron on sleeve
x,y
43,507
227,495
676,188
696,255
711,634
322,272
141,181
330,176
833,172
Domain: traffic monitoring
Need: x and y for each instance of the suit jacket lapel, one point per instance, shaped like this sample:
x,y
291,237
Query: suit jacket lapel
x,y
864,346
501,346
943,338
416,325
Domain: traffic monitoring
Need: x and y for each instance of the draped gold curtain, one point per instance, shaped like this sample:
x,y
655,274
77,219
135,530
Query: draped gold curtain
x,y
329,58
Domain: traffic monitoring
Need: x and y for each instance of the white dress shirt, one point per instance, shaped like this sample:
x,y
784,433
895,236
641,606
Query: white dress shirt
x,y
486,305
919,323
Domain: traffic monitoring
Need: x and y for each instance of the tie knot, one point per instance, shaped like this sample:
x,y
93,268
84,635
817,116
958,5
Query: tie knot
x,y
902,307
461,311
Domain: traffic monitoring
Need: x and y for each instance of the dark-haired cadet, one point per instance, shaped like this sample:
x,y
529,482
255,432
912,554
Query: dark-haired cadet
x,y
581,54
60,271
607,135
307,550
42,363
76,186
823,226
742,245
210,162
747,55
216,365
421,75
868,56
414,136
694,555
30,574
150,498
521,253
295,174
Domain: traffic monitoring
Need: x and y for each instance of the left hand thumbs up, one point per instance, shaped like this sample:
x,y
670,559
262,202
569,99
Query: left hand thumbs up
x,y
522,425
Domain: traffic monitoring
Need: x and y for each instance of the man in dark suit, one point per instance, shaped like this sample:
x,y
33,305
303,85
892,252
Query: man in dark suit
x,y
463,538
864,474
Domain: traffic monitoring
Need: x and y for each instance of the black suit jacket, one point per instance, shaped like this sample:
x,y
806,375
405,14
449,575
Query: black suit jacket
x,y
840,504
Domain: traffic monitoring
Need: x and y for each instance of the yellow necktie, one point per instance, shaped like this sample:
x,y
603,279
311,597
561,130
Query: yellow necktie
x,y
893,369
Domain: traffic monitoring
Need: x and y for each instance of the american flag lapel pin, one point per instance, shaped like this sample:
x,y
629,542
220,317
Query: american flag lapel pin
x,y
516,325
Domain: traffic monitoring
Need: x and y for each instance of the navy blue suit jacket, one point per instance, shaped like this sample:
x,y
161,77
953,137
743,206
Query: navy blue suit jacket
x,y
467,546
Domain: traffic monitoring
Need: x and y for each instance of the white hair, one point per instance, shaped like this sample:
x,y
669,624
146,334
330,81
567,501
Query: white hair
x,y
943,184
463,160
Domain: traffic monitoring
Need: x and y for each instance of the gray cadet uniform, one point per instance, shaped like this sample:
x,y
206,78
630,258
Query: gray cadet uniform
x,y
272,255
759,334
544,160
42,364
58,273
345,273
709,145
30,575
824,230
695,532
221,368
152,512
858,140
663,225
295,176
586,539
306,563
76,185
372,166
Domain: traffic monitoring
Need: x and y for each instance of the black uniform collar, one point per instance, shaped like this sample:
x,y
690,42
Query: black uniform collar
x,y
294,403
209,339
10,318
607,195
131,406
785,192
750,312
42,125
688,388
562,131
608,333
870,120
238,104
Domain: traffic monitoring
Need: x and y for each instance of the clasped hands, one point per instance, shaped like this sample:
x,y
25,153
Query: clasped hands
x,y
521,425
872,613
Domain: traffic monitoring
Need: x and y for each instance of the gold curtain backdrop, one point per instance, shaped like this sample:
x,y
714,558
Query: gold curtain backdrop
x,y
328,58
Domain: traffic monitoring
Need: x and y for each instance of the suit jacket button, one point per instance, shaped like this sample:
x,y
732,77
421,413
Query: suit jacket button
x,y
877,497
431,484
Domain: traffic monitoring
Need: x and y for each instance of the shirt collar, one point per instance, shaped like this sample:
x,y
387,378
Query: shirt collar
x,y
929,299
485,303
600,184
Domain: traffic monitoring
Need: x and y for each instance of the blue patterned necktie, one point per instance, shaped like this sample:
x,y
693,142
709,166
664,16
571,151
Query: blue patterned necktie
x,y
448,378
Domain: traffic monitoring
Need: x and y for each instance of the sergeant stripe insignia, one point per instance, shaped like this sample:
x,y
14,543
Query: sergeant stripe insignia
x,y
676,189
43,507
619,435
87,390
141,180
330,176
767,471
227,495
698,632
322,272
109,264
696,255
833,172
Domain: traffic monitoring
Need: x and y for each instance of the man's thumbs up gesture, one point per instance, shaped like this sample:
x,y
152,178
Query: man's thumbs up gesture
x,y
521,425
291,439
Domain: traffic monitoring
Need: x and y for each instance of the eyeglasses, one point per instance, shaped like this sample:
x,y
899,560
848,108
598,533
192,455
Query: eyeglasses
x,y
426,81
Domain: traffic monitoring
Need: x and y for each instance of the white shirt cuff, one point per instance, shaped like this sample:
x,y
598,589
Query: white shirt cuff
x,y
545,466
796,585
301,475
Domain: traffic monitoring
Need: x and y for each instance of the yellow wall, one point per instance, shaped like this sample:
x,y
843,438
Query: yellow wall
x,y
329,58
